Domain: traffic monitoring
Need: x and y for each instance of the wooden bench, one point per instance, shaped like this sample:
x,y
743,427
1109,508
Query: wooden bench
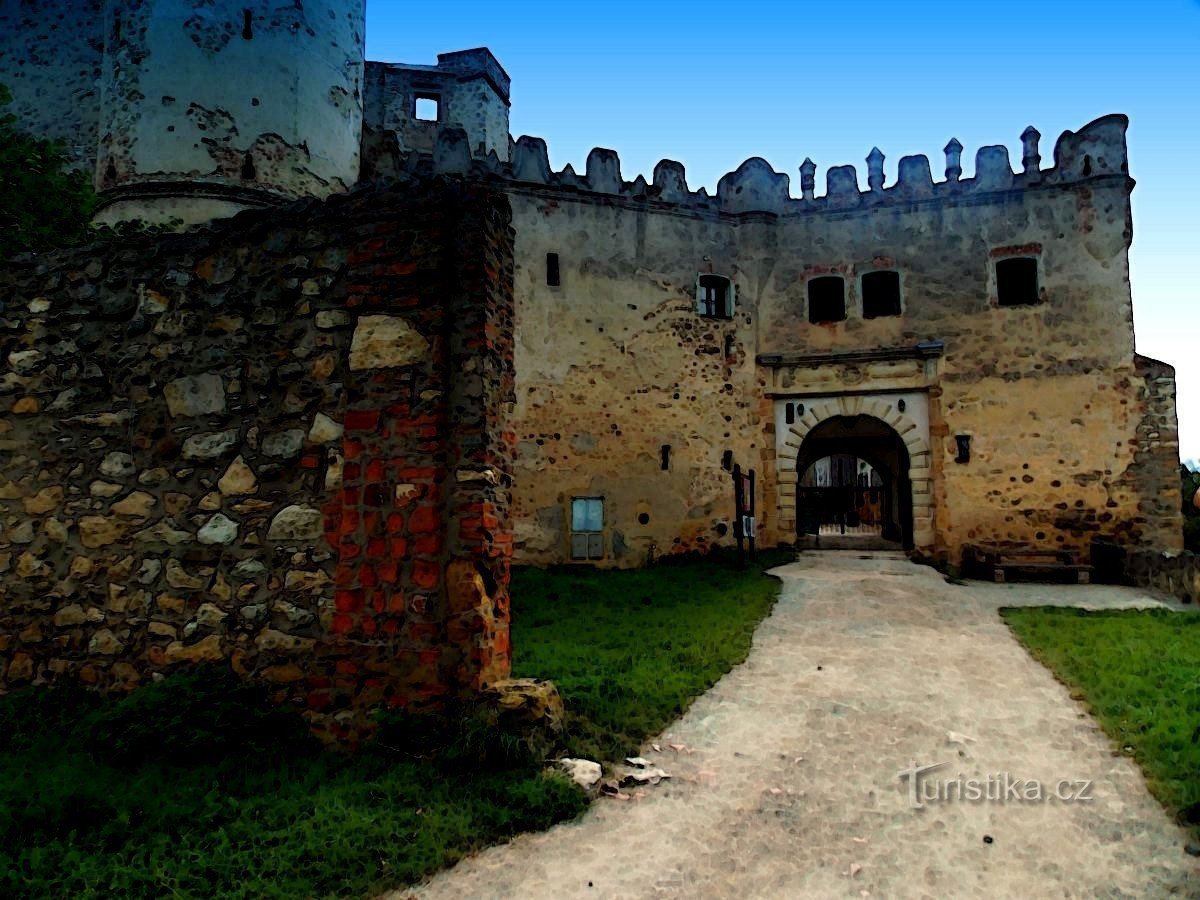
x,y
997,562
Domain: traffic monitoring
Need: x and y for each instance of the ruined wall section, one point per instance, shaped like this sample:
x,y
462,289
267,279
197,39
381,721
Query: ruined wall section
x,y
276,444
471,90
51,53
209,107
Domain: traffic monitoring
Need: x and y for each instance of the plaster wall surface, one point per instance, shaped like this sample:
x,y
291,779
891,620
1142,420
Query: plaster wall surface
x,y
255,96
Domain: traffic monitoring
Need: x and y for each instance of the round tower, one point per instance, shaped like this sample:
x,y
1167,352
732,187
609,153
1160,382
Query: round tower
x,y
209,107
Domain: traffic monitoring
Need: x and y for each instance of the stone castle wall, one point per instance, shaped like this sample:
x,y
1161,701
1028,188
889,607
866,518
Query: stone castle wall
x,y
614,364
279,443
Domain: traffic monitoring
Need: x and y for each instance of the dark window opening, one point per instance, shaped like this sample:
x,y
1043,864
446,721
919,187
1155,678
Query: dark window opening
x,y
714,297
722,529
880,294
727,460
1087,166
901,405
826,299
643,518
789,414
553,277
665,455
1017,281
799,409
729,345
426,108
962,443
248,173
247,24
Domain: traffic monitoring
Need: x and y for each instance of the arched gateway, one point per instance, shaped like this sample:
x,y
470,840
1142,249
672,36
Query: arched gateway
x,y
857,469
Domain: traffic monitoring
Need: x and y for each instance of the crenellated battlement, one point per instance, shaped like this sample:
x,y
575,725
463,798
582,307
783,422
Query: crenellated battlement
x,y
1096,150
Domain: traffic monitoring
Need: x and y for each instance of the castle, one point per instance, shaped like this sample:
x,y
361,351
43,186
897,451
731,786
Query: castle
x,y
925,364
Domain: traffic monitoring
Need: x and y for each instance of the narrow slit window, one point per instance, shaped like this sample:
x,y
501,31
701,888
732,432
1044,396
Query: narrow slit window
x,y
553,278
427,107
826,299
727,460
789,414
1017,281
587,528
880,294
714,296
247,24
665,457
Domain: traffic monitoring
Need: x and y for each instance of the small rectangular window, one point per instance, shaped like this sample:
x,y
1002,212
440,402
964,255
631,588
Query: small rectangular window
x,y
826,299
1017,281
789,414
426,108
552,275
714,296
880,294
587,528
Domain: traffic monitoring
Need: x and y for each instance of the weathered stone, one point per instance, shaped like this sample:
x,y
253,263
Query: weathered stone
x,y
195,395
179,578
162,533
210,446
297,580
163,630
104,489
209,615
238,479
270,640
324,430
67,616
220,529
138,504
296,523
284,444
44,501
205,650
383,342
105,643
100,531
117,465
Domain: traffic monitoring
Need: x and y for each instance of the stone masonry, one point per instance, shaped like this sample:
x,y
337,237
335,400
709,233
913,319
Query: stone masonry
x,y
278,443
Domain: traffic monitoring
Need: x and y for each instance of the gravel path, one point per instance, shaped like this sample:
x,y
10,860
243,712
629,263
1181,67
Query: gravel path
x,y
788,786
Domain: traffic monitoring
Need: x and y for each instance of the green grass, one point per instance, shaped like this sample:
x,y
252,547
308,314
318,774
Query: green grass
x,y
197,787
630,650
1138,672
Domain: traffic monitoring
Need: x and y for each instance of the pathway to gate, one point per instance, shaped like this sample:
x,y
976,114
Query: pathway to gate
x,y
786,781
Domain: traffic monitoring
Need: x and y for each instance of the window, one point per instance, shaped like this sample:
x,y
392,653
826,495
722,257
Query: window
x,y
880,294
714,296
962,447
426,107
247,24
587,528
789,414
664,457
826,299
552,274
1017,281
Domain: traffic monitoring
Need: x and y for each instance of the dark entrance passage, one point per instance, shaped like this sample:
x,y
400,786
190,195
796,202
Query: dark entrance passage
x,y
853,488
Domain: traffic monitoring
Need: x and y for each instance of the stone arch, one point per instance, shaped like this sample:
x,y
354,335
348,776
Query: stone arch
x,y
915,439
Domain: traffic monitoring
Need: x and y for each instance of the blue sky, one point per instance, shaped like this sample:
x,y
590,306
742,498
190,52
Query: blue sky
x,y
710,84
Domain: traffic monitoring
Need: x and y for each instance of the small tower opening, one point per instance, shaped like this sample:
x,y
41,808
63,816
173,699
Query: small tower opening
x,y
248,173
247,24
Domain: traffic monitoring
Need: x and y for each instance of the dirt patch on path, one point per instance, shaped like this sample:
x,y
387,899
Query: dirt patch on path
x,y
866,667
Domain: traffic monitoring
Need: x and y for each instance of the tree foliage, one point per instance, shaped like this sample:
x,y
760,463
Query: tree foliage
x,y
43,204
1190,479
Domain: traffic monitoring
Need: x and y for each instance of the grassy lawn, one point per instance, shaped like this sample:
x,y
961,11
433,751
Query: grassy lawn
x,y
1138,672
195,787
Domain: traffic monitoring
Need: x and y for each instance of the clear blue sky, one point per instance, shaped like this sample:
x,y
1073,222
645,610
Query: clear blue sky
x,y
710,84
